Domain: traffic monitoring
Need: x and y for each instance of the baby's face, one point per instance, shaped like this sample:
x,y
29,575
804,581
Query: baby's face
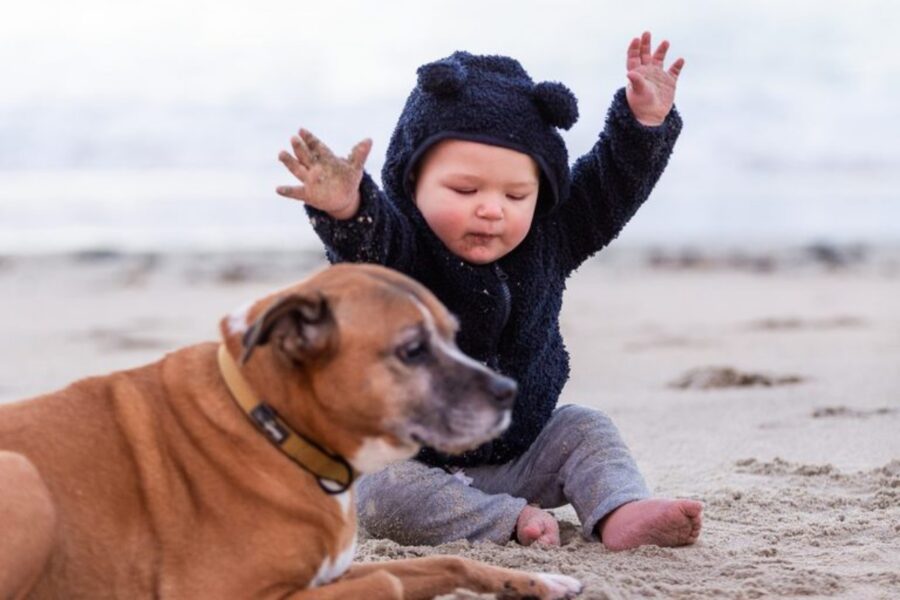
x,y
478,199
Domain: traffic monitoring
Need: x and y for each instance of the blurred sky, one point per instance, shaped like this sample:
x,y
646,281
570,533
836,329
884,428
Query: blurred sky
x,y
155,125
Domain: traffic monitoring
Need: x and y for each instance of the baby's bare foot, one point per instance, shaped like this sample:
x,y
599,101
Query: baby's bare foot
x,y
656,521
536,525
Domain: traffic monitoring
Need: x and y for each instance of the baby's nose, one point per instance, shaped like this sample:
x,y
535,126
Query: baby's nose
x,y
489,209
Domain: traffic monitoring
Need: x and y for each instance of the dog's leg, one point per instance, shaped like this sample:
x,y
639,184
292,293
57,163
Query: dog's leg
x,y
377,585
434,575
28,520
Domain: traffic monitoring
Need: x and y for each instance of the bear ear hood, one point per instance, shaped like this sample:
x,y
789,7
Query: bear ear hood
x,y
442,78
488,99
557,104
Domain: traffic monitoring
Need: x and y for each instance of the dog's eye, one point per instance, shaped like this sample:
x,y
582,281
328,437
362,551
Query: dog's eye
x,y
413,352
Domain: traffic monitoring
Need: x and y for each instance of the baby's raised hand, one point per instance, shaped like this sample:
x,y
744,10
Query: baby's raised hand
x,y
651,89
330,183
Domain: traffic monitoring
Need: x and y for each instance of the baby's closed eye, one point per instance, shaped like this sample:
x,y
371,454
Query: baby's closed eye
x,y
463,191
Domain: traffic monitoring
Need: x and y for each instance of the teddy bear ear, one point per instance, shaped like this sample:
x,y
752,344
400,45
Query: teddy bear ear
x,y
442,77
557,103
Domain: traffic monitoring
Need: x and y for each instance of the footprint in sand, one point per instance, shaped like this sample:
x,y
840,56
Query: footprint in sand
x,y
707,378
852,413
799,324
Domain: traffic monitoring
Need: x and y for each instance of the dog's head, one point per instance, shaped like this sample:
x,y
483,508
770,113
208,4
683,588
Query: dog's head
x,y
362,359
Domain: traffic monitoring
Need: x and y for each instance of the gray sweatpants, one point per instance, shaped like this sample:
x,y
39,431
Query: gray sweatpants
x,y
578,458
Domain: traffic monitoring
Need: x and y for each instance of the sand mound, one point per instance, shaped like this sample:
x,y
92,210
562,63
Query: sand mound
x,y
706,378
852,413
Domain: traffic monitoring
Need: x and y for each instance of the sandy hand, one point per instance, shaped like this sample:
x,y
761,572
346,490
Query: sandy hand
x,y
651,89
330,183
536,525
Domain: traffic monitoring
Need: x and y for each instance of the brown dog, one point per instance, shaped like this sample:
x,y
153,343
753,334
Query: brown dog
x,y
154,482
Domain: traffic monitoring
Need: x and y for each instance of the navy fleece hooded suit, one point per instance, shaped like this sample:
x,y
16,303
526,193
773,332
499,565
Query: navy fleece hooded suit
x,y
509,309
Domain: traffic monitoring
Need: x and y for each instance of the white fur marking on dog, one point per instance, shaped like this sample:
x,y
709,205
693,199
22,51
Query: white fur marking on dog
x,y
560,584
344,501
506,420
331,570
376,453
237,321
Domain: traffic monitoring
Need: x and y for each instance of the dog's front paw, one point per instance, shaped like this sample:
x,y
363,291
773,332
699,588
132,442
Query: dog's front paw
x,y
560,587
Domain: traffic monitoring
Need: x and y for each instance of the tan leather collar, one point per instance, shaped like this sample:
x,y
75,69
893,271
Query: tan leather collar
x,y
333,472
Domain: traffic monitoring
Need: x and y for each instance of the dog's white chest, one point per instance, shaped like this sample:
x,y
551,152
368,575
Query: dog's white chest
x,y
331,570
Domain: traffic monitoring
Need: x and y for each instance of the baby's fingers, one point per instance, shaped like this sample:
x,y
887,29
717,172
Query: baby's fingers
x,y
645,48
297,192
360,153
637,82
301,151
633,58
294,166
659,57
316,147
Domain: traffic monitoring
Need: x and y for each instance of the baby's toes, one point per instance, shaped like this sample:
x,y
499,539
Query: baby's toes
x,y
695,531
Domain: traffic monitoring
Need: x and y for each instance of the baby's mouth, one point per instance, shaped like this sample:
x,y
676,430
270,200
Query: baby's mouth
x,y
481,238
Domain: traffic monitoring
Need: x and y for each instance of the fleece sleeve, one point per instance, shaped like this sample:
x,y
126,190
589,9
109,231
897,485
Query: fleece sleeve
x,y
377,233
610,182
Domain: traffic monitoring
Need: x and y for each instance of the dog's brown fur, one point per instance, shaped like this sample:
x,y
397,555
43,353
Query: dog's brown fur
x,y
152,482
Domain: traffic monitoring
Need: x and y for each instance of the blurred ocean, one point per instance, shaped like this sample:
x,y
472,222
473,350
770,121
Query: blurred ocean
x,y
156,125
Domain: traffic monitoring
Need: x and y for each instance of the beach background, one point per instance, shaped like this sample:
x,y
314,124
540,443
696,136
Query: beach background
x,y
743,331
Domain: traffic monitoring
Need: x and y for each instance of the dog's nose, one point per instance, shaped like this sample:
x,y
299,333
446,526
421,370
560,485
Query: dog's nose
x,y
503,389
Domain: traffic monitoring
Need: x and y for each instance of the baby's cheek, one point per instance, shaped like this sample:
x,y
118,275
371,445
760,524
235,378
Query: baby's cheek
x,y
448,224
519,226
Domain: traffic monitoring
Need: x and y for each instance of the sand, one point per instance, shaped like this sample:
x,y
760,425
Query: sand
x,y
765,384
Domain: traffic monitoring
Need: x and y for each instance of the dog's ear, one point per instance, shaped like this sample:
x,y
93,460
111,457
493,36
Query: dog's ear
x,y
300,327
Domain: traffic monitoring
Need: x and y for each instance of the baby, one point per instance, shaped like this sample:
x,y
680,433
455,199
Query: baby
x,y
481,206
